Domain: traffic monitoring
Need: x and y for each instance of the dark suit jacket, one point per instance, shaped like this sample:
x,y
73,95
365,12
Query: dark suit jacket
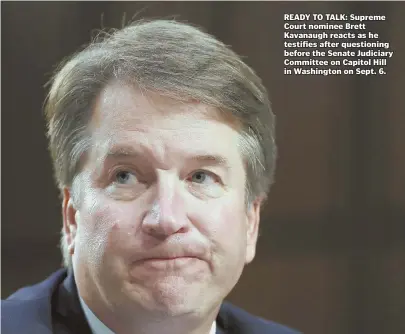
x,y
53,306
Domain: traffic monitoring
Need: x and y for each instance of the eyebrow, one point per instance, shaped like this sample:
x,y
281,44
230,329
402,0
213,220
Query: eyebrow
x,y
212,159
122,152
200,157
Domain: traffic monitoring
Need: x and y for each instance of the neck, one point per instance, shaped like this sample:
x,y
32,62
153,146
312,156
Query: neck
x,y
124,316
146,323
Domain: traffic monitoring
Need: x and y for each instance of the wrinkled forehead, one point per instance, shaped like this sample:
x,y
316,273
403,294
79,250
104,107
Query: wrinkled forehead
x,y
126,117
120,103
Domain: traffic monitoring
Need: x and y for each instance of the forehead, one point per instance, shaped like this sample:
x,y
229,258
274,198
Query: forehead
x,y
124,116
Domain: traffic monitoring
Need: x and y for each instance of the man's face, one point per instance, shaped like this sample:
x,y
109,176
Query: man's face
x,y
162,180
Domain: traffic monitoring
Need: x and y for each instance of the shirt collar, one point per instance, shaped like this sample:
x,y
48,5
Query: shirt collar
x,y
98,327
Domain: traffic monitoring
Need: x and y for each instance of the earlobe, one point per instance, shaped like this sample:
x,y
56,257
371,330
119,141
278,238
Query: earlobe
x,y
69,220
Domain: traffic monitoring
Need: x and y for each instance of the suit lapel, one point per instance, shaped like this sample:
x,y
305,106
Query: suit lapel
x,y
222,321
69,317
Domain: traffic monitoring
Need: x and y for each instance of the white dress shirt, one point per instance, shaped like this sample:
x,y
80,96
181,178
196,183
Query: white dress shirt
x,y
97,326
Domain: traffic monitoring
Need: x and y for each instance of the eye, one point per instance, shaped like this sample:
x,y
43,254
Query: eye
x,y
202,177
124,177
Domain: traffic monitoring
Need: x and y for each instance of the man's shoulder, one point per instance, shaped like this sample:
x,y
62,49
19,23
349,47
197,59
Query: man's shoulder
x,y
28,310
240,321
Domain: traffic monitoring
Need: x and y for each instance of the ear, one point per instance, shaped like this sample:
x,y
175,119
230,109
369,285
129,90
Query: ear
x,y
253,220
69,220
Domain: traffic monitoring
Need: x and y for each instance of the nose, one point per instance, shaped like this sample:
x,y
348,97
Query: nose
x,y
167,215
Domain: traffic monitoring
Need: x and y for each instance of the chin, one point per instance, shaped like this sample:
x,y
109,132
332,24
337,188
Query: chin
x,y
177,309
173,296
169,305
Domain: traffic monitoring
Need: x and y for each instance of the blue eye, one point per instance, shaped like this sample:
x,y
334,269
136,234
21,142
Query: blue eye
x,y
199,177
202,177
123,177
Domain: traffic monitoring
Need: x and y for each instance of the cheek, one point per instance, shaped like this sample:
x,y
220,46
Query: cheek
x,y
104,229
226,230
230,229
225,225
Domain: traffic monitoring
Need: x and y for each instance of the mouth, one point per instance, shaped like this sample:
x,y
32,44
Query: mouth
x,y
169,258
169,262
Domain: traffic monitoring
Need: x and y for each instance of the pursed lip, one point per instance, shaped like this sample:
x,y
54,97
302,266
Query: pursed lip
x,y
168,258
174,250
169,263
